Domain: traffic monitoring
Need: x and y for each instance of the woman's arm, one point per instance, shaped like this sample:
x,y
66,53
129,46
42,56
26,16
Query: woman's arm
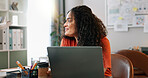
x,y
106,56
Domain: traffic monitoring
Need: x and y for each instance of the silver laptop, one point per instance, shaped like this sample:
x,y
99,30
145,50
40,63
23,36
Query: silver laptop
x,y
76,62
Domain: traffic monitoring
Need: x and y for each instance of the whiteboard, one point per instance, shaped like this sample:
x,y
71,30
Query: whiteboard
x,y
132,12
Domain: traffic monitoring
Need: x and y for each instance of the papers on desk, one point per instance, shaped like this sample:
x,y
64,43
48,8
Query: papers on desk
x,y
9,70
2,74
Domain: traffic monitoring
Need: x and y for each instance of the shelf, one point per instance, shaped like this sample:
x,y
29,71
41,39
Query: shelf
x,y
3,50
18,50
110,27
135,26
13,26
128,27
18,26
12,11
4,10
141,14
17,32
13,50
2,24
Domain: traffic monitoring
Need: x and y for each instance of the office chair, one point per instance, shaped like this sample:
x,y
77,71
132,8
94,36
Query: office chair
x,y
139,61
121,66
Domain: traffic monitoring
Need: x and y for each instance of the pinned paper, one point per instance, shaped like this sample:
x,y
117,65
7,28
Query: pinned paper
x,y
120,18
135,9
121,25
140,20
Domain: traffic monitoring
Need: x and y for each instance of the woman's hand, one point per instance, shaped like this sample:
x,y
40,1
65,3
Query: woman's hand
x,y
49,74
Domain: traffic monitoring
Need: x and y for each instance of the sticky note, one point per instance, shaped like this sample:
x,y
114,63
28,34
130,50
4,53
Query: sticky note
x,y
120,18
135,9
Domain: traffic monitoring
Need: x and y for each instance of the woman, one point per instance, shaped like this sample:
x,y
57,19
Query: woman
x,y
83,28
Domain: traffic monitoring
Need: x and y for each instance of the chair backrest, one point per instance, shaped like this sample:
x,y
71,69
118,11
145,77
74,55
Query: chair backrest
x,y
138,59
121,66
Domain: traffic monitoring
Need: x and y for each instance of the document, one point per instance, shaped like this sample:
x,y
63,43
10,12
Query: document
x,y
3,74
139,20
121,25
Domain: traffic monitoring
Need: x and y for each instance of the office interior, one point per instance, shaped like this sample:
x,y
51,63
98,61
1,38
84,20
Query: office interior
x,y
40,20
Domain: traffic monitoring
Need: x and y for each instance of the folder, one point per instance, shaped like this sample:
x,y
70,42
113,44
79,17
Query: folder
x,y
10,39
14,39
18,43
3,39
21,38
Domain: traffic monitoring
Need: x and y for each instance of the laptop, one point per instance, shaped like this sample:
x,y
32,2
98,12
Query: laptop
x,y
76,62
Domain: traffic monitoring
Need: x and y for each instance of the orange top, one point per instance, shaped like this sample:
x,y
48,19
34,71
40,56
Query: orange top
x,y
105,49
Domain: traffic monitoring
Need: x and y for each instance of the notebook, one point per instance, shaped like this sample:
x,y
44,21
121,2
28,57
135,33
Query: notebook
x,y
76,62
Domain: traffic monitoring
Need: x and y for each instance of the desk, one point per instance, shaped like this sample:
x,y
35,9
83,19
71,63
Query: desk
x,y
16,73
7,72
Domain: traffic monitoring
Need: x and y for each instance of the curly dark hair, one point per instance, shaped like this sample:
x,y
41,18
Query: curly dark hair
x,y
90,28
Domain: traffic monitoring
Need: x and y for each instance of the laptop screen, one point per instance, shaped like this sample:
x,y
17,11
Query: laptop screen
x,y
76,62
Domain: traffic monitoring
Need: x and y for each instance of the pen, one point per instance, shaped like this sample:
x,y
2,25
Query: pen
x,y
34,65
19,64
31,67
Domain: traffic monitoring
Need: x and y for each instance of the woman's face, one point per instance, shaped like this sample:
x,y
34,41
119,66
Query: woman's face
x,y
69,25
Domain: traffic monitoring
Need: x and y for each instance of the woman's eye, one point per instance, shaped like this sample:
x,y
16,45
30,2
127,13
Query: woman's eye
x,y
69,20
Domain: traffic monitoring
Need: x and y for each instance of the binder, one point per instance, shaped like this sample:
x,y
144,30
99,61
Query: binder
x,y
10,39
21,38
3,39
18,43
14,39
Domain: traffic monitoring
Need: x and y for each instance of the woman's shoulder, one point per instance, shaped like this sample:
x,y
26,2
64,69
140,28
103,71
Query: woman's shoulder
x,y
104,39
105,42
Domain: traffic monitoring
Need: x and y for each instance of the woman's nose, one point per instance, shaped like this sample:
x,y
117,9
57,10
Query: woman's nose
x,y
65,24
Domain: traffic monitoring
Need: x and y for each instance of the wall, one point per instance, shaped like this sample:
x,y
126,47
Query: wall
x,y
124,40
38,28
71,3
118,40
97,6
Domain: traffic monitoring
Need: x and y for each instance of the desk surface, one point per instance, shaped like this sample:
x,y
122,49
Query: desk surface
x,y
3,72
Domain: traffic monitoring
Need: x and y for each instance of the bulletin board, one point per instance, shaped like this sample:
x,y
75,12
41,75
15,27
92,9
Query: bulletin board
x,y
122,14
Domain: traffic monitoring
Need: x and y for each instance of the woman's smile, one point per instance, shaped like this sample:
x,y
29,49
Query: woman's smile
x,y
66,29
